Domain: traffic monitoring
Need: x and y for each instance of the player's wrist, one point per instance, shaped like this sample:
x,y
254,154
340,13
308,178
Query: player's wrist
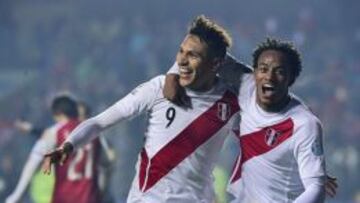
x,y
68,148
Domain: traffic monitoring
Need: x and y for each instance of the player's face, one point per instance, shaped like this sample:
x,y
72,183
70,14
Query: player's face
x,y
272,76
194,64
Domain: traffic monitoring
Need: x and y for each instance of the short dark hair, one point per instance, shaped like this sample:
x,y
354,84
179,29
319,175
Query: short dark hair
x,y
215,36
287,48
65,105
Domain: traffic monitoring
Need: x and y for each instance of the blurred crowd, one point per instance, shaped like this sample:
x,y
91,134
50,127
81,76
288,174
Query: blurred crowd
x,y
99,51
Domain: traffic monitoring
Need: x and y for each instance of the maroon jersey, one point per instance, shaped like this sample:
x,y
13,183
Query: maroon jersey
x,y
76,179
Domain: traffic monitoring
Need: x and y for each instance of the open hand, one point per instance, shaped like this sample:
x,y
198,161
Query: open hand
x,y
58,156
174,92
331,186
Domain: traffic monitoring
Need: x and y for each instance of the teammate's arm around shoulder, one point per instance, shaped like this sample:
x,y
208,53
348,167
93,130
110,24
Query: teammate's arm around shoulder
x,y
173,91
231,71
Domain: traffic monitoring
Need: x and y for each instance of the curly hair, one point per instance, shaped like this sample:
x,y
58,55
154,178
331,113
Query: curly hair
x,y
287,48
215,36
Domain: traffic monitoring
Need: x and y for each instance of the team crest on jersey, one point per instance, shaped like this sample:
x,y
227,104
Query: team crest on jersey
x,y
271,136
223,111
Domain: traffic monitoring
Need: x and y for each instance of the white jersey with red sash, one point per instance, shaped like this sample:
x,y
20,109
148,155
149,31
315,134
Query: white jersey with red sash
x,y
181,145
278,150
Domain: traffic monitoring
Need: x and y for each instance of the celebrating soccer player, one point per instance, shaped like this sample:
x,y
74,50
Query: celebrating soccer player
x,y
282,157
181,144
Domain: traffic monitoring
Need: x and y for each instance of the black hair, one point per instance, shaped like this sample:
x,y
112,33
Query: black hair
x,y
292,55
65,105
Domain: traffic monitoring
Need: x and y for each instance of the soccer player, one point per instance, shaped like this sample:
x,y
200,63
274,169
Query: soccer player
x,y
281,156
76,179
181,144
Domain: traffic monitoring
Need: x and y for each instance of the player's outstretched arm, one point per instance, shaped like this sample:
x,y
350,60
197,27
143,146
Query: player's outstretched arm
x,y
27,173
134,103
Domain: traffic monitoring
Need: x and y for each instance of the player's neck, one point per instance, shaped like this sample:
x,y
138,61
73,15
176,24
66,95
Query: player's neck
x,y
275,108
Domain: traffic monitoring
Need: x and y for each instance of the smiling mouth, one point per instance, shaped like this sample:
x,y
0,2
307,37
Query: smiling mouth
x,y
185,72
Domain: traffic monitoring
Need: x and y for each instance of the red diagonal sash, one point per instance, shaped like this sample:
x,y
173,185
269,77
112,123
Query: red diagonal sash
x,y
186,142
260,142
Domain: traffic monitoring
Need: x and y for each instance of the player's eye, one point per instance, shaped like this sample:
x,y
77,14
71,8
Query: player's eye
x,y
280,71
262,69
193,55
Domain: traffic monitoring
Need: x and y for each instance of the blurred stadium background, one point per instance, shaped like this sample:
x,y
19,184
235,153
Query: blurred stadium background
x,y
100,50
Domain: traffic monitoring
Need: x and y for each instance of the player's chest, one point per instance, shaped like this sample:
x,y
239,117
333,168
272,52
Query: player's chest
x,y
267,141
167,115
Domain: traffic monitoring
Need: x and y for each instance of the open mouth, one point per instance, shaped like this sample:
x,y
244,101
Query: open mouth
x,y
268,90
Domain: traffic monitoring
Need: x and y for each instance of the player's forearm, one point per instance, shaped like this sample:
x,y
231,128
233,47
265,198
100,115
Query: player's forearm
x,y
131,105
26,175
91,128
84,133
314,191
232,70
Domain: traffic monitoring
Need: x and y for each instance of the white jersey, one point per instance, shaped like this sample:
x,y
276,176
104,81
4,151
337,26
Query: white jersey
x,y
181,145
278,150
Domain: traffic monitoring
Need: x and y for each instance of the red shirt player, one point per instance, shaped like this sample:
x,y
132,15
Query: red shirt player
x,y
76,179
